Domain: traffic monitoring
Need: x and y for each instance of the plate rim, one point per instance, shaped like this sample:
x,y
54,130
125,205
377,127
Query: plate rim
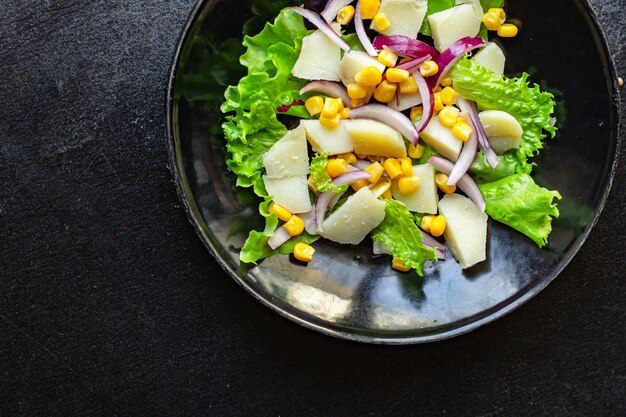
x,y
192,212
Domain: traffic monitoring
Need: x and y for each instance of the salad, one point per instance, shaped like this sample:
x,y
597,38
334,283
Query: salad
x,y
402,127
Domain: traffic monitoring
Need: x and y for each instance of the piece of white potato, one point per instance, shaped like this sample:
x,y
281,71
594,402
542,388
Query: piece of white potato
x,y
466,229
492,58
503,130
323,139
358,216
319,57
353,62
478,8
441,139
405,17
425,199
289,156
448,26
405,101
375,138
290,192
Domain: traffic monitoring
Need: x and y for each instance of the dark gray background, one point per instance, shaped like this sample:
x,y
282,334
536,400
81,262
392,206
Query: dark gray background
x,y
110,305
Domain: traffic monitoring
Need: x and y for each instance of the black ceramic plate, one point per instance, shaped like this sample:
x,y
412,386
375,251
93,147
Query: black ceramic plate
x,y
346,292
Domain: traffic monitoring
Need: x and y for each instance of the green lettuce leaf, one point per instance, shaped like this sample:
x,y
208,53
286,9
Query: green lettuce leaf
x,y
531,107
520,203
483,172
254,128
399,233
320,178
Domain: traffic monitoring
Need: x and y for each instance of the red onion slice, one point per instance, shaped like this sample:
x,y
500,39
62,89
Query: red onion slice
x,y
279,237
432,243
362,163
321,24
360,31
450,56
467,156
428,101
413,64
330,88
388,116
403,45
466,184
332,9
321,205
471,109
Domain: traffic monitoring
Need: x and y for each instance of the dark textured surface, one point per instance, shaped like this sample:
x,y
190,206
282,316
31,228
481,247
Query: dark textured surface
x,y
110,305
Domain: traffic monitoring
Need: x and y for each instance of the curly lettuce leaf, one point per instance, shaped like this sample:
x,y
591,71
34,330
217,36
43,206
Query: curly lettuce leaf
x,y
254,128
483,172
399,233
531,107
320,178
523,205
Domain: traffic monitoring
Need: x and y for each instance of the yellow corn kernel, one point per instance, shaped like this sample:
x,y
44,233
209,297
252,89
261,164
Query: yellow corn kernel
x,y
303,252
369,8
385,92
380,187
416,152
336,167
398,265
408,86
507,30
446,81
314,105
449,96
448,116
437,89
294,226
429,68
357,102
331,107
356,91
438,104
368,76
356,186
409,185
387,195
441,180
438,226
426,222
462,130
395,75
498,13
343,113
415,111
491,21
407,166
381,22
388,58
376,171
345,15
393,167
360,155
349,157
330,122
280,212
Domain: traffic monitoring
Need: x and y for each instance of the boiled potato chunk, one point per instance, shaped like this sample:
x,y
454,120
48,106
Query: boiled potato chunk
x,y
466,229
324,139
374,138
478,8
358,216
405,101
353,62
319,57
288,156
492,58
450,25
503,130
425,199
405,17
290,192
441,139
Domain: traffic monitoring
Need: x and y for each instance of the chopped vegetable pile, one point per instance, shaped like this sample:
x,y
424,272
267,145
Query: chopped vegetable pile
x,y
407,130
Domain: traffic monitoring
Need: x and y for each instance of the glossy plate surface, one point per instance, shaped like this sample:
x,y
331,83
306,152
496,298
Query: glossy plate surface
x,y
346,291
